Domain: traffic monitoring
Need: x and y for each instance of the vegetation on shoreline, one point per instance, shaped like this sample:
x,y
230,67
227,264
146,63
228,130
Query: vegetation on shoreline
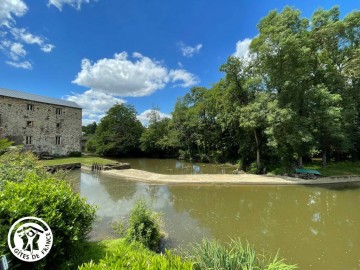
x,y
27,190
293,98
86,160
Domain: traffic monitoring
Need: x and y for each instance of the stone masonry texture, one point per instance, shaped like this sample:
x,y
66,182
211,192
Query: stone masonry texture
x,y
39,128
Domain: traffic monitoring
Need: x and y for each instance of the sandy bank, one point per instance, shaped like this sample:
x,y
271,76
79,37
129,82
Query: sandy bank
x,y
229,179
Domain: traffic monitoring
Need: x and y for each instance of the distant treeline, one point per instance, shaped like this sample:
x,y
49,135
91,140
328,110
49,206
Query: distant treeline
x,y
294,97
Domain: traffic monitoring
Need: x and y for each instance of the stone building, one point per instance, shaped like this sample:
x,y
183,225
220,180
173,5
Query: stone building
x,y
41,124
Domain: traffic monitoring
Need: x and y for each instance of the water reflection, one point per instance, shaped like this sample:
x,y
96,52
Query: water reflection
x,y
174,166
316,228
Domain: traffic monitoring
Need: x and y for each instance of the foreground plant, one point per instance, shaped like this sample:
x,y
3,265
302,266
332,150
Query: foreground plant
x,y
27,190
234,256
144,226
136,256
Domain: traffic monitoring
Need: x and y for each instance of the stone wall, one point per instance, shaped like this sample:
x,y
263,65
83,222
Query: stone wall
x,y
42,124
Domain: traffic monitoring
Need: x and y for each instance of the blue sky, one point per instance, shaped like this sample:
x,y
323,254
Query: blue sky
x,y
145,53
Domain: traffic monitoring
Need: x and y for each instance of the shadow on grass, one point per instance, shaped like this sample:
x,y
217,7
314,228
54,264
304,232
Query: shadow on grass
x,y
89,251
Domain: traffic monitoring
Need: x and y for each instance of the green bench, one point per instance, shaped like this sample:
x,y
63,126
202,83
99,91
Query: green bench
x,y
307,174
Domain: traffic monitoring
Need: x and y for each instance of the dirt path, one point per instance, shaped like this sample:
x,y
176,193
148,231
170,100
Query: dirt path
x,y
236,179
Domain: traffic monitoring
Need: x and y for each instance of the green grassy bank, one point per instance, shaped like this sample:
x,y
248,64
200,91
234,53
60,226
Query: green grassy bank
x,y
86,160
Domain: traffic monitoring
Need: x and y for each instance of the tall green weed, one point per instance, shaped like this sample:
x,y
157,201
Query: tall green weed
x,y
234,256
144,226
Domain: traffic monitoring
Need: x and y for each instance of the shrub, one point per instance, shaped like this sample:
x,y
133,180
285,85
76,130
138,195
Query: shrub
x,y
136,256
67,214
4,145
75,154
213,255
16,165
144,226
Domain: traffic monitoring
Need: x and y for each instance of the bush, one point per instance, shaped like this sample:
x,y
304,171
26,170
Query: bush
x,y
144,226
136,256
67,214
213,255
75,154
16,165
4,145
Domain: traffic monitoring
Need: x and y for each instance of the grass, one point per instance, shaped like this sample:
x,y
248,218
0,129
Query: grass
x,y
338,168
119,254
332,169
94,251
86,160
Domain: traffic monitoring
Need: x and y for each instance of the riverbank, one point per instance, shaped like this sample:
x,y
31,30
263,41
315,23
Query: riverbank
x,y
228,179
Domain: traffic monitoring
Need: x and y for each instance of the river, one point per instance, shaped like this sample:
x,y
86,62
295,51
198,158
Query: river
x,y
314,227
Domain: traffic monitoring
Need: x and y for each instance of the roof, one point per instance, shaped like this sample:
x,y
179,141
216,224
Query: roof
x,y
42,99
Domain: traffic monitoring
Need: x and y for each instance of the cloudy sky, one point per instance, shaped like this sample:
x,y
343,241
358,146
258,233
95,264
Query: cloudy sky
x,y
144,53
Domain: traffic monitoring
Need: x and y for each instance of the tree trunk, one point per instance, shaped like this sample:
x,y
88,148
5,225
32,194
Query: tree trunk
x,y
258,161
300,162
324,162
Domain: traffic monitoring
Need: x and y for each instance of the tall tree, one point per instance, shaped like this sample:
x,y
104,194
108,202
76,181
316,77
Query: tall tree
x,y
118,133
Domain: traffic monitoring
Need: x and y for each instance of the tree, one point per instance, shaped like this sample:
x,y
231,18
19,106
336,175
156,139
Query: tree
x,y
153,134
89,129
118,133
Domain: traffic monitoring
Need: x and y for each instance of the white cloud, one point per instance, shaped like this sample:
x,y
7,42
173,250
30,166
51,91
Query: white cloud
x,y
121,76
9,9
17,51
74,3
189,51
47,48
144,117
24,64
23,35
15,38
94,104
187,78
242,48
14,50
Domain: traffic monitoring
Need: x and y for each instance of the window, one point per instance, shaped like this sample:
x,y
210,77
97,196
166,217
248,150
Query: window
x,y
58,111
28,140
29,123
30,107
57,140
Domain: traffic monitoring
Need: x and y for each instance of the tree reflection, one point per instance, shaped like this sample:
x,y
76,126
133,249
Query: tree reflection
x,y
118,189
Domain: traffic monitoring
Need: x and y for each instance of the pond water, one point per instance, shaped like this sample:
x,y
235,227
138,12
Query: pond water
x,y
174,166
314,227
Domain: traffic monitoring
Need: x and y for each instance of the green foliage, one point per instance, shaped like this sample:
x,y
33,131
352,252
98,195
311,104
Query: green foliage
x,y
294,96
15,166
27,190
89,129
119,227
235,255
152,139
136,256
4,145
68,215
75,154
144,226
118,133
90,145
